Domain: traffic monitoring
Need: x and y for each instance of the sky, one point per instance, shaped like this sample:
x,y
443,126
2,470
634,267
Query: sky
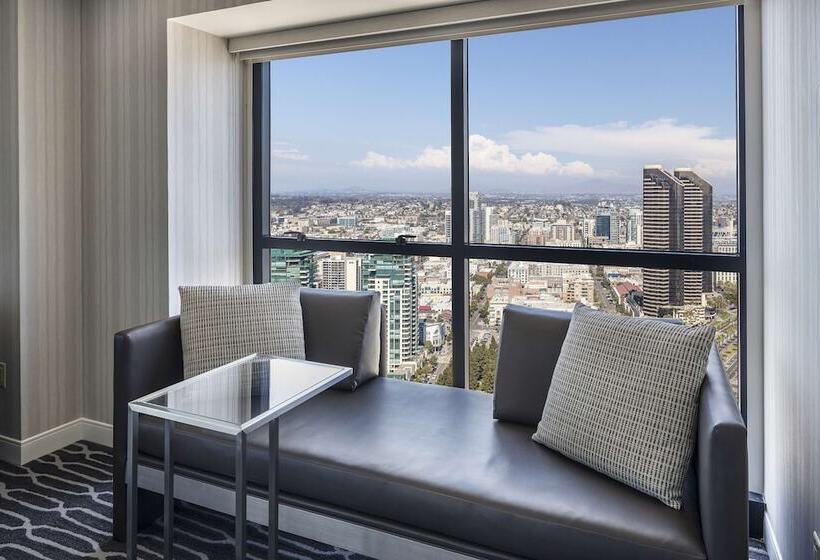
x,y
566,110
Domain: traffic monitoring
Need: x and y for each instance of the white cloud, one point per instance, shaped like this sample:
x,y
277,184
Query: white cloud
x,y
485,155
284,150
658,141
489,155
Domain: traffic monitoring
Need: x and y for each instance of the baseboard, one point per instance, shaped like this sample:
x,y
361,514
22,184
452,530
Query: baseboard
x,y
771,540
20,452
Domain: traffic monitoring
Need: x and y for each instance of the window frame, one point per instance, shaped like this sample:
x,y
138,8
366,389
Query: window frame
x,y
460,251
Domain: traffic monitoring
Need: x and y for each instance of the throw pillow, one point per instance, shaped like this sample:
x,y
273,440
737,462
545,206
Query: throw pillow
x,y
221,324
624,399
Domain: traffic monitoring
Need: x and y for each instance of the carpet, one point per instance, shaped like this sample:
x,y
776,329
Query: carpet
x,y
59,507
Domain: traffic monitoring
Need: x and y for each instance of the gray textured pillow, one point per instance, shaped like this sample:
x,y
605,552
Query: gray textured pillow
x,y
624,399
221,324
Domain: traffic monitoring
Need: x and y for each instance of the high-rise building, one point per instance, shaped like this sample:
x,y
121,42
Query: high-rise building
x,y
697,228
448,226
634,227
340,273
394,277
488,219
603,220
607,224
475,218
677,214
292,264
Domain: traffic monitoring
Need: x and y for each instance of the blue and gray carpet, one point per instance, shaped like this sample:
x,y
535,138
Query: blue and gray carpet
x,y
59,507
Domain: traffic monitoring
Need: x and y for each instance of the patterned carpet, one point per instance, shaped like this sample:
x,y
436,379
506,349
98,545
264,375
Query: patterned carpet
x,y
59,507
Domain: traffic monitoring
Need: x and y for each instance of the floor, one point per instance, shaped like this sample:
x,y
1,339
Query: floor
x,y
60,507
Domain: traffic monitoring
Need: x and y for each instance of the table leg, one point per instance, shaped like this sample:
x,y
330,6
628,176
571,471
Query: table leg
x,y
131,479
168,494
273,489
241,496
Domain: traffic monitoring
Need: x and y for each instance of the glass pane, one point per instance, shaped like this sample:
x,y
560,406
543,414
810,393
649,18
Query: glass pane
x,y
360,143
617,134
416,293
692,297
243,394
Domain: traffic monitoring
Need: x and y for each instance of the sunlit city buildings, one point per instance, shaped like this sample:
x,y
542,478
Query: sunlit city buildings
x,y
675,211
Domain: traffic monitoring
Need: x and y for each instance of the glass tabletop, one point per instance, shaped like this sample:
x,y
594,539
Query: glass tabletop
x,y
242,395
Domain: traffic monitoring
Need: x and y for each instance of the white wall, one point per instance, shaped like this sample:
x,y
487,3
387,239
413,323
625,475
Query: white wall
x,y
791,95
205,155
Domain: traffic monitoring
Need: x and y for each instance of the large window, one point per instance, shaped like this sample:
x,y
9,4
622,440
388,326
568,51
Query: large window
x,y
359,143
598,162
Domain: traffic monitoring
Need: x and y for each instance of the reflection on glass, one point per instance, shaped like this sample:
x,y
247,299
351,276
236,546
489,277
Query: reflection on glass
x,y
416,294
692,297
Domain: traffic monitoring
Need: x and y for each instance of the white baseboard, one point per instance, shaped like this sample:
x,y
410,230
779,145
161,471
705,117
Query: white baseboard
x,y
770,539
20,452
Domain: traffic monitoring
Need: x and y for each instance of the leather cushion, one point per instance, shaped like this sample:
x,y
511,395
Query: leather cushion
x,y
531,342
431,458
343,328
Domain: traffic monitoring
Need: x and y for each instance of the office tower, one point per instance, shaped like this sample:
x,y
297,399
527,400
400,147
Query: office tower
x,y
448,225
603,220
488,219
502,234
292,264
697,218
634,227
347,221
474,218
724,240
578,287
677,214
588,228
520,272
340,273
394,277
562,231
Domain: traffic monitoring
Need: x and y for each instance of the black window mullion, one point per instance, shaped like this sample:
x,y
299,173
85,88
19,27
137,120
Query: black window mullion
x,y
459,192
261,171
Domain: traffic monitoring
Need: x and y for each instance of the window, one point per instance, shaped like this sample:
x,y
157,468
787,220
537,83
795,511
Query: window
x,y
627,290
415,291
595,162
359,143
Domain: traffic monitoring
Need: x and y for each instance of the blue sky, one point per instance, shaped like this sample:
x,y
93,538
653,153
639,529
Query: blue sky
x,y
563,110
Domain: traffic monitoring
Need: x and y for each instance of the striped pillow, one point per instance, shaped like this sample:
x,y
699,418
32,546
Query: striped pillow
x,y
624,399
221,324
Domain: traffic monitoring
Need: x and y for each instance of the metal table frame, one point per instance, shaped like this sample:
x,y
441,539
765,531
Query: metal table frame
x,y
240,434
241,488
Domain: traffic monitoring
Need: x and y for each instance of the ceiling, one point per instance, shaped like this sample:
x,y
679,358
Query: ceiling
x,y
276,15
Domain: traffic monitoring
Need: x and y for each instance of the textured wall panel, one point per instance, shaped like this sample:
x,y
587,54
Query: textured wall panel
x,y
125,176
50,191
791,130
204,161
9,224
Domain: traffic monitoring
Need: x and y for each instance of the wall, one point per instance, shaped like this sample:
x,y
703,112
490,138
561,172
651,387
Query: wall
x,y
9,224
205,194
125,176
50,214
791,125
